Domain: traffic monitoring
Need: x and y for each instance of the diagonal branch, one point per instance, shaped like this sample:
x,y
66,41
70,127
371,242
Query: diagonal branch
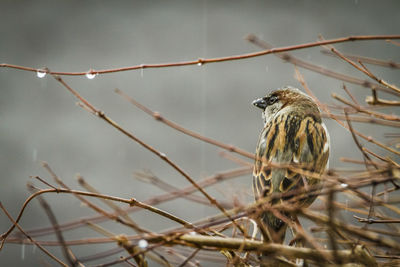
x,y
161,155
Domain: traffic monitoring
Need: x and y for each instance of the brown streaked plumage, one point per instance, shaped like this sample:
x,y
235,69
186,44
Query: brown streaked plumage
x,y
293,134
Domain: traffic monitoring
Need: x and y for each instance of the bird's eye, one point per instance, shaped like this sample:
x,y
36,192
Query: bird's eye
x,y
271,100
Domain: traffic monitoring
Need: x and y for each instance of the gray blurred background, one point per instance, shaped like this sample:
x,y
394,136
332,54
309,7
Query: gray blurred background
x,y
39,120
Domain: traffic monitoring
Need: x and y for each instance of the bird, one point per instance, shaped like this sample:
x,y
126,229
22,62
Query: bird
x,y
293,135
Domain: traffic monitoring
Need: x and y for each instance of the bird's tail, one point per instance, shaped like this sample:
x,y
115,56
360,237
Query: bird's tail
x,y
276,227
276,231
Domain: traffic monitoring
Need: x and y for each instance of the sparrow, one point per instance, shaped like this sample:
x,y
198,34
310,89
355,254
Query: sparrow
x,y
293,135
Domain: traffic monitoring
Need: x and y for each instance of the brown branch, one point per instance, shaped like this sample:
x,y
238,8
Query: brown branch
x,y
364,70
350,95
362,233
367,159
374,100
324,108
72,260
206,182
157,116
367,111
371,221
202,61
161,155
369,60
356,255
318,69
149,177
191,256
363,119
15,224
126,222
131,202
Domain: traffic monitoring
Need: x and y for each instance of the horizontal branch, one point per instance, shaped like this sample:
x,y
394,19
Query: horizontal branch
x,y
202,61
358,254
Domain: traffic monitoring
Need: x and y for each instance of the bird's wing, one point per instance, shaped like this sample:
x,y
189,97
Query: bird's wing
x,y
286,140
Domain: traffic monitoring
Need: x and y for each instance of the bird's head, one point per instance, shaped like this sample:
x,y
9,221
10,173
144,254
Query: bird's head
x,y
288,99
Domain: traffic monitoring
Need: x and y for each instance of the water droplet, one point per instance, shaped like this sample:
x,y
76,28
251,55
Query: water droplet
x,y
23,251
41,73
199,64
344,185
143,243
163,155
91,75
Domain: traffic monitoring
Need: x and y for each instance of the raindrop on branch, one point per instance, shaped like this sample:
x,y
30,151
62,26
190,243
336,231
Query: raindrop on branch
x,y
41,73
143,243
91,75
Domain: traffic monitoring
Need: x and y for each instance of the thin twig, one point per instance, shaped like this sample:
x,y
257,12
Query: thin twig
x,y
369,60
161,155
15,224
68,254
157,116
315,68
202,61
371,221
364,70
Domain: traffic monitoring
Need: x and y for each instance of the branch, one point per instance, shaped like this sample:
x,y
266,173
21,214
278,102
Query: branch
x,y
358,254
157,116
15,224
202,61
161,155
315,68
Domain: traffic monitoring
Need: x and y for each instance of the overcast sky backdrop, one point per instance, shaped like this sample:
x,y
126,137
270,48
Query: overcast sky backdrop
x,y
39,120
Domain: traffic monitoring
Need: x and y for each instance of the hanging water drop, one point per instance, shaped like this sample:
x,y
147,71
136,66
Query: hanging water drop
x,y
343,185
143,243
90,75
41,73
200,64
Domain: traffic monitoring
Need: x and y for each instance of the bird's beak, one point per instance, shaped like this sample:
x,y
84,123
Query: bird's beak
x,y
260,103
